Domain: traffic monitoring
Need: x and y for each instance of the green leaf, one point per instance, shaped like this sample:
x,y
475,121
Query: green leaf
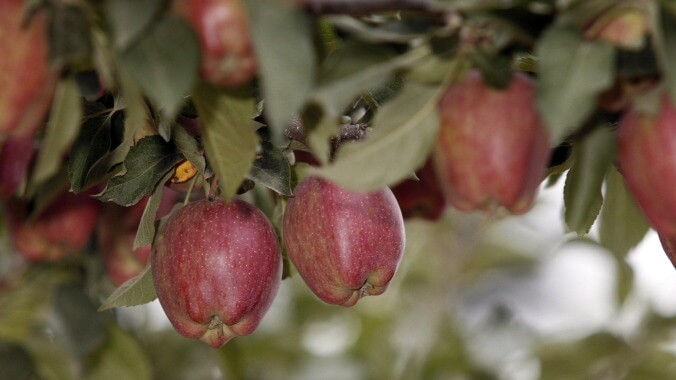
x,y
582,193
82,324
129,18
404,131
625,281
16,363
122,358
623,225
145,234
284,49
93,142
665,46
271,169
228,134
146,164
572,72
165,63
135,291
62,129
188,147
69,37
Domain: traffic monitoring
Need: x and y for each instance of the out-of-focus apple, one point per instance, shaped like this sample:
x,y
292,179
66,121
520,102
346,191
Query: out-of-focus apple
x,y
26,82
15,157
217,267
422,198
493,147
64,228
223,29
345,244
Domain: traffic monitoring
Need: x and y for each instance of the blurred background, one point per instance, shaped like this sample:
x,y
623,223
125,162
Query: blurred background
x,y
475,297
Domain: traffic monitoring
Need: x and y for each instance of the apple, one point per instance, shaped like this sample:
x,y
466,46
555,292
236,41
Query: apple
x,y
63,228
344,244
647,160
15,157
669,246
217,267
26,81
422,197
223,29
116,232
493,147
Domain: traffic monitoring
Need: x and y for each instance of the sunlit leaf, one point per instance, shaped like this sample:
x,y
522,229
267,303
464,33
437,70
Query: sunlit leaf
x,y
135,291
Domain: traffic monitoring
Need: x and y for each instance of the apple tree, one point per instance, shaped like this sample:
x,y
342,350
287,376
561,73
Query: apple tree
x,y
219,154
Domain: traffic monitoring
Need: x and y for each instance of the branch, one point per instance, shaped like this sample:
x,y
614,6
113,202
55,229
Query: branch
x,y
361,7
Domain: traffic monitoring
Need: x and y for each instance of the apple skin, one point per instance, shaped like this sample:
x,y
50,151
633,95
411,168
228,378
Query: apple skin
x,y
116,232
26,81
493,147
227,52
217,267
16,154
423,197
647,160
345,244
64,228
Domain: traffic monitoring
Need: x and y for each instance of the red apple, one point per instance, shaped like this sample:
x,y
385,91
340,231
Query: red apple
x,y
26,81
217,267
423,197
62,229
116,232
344,244
669,246
493,147
223,29
15,157
647,160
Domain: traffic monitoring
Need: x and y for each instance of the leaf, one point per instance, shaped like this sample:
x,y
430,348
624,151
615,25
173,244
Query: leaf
x,y
16,362
145,234
622,224
121,358
165,63
69,37
146,164
404,132
188,147
129,18
271,169
284,49
572,72
665,46
83,326
228,134
625,281
582,193
62,128
135,291
93,142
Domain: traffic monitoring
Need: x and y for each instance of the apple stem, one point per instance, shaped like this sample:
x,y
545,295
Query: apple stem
x,y
365,290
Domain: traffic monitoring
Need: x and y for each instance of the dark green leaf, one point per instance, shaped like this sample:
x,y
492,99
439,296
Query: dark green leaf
x,y
121,358
404,132
271,169
228,134
572,72
495,70
69,37
582,193
145,234
129,18
623,225
188,147
83,325
93,142
165,63
146,164
136,291
284,48
64,122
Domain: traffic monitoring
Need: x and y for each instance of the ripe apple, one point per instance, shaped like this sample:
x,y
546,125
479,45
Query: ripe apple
x,y
227,51
493,147
116,232
423,197
62,229
26,82
647,160
15,157
217,267
669,246
345,244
